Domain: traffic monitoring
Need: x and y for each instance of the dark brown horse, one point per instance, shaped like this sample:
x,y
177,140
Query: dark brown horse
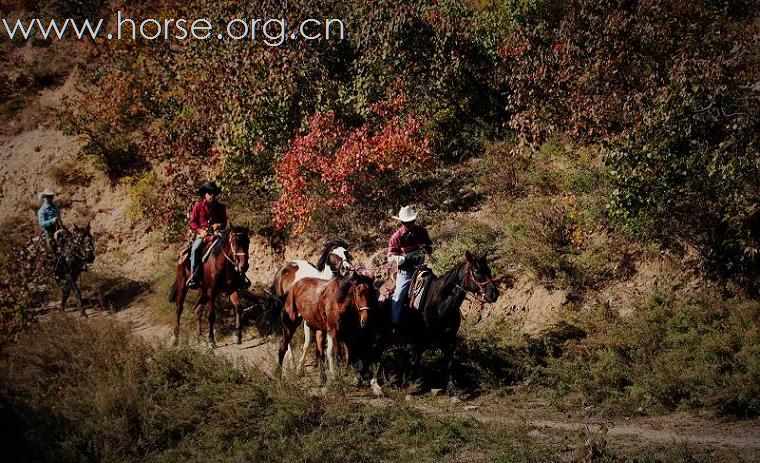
x,y
338,307
75,250
438,322
223,271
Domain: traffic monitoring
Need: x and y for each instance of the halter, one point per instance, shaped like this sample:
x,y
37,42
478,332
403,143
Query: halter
x,y
480,284
361,309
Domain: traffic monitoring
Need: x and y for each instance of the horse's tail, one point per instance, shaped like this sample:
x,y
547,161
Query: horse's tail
x,y
268,320
173,293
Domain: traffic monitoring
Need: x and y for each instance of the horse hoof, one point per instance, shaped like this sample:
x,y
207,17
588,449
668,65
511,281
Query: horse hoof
x,y
238,339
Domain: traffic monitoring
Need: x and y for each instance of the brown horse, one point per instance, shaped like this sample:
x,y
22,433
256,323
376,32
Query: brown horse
x,y
338,307
334,261
223,271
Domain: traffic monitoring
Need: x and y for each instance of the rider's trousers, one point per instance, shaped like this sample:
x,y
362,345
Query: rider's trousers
x,y
400,295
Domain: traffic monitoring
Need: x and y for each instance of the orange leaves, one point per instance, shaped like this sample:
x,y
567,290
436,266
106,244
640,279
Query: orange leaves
x,y
333,166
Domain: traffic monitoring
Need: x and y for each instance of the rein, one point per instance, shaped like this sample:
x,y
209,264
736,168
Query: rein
x,y
481,287
227,256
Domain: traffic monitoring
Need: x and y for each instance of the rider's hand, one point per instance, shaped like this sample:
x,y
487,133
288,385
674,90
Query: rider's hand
x,y
202,232
415,257
216,227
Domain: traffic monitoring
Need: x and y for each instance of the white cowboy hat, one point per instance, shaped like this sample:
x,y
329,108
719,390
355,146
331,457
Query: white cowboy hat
x,y
47,192
406,214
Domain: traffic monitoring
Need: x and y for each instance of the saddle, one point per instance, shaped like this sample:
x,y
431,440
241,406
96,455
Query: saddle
x,y
418,288
184,253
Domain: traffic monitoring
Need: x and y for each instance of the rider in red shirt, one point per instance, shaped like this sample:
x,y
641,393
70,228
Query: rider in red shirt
x,y
207,215
406,249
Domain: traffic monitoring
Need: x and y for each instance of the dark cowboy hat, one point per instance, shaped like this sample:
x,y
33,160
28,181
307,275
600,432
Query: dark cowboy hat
x,y
209,187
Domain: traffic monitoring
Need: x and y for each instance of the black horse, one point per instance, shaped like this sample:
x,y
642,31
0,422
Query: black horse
x,y
438,323
76,249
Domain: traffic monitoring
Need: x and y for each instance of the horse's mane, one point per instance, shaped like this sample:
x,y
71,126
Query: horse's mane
x,y
344,290
224,238
450,278
322,262
346,285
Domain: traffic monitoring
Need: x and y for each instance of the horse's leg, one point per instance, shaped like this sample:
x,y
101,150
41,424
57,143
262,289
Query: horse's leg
x,y
306,344
448,357
180,301
235,299
66,292
319,339
330,353
418,349
78,294
211,319
198,311
288,328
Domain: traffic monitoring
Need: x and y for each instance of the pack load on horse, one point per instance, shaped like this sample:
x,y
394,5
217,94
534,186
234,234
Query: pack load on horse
x,y
215,262
68,251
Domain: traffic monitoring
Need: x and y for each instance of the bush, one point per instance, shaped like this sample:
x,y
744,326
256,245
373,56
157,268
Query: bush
x,y
71,172
699,352
78,390
680,134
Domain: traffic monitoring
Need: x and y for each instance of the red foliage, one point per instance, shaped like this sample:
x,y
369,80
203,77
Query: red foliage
x,y
332,165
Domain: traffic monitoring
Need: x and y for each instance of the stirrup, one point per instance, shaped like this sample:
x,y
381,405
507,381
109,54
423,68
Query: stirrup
x,y
191,283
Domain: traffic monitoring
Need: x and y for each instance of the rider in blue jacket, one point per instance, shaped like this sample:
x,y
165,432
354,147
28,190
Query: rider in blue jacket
x,y
49,217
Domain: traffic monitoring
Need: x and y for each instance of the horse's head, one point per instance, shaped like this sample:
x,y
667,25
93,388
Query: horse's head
x,y
364,297
340,261
363,293
337,257
84,243
239,242
478,278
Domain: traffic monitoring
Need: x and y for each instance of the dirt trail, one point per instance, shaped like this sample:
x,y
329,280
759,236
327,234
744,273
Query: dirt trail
x,y
679,428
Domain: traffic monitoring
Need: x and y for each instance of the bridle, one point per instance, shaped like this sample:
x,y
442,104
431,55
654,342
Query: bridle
x,y
481,285
234,254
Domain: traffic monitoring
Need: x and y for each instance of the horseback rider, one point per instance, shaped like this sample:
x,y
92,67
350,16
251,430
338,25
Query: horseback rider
x,y
406,249
207,215
49,218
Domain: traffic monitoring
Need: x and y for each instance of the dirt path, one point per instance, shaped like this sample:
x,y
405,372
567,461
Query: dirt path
x,y
675,429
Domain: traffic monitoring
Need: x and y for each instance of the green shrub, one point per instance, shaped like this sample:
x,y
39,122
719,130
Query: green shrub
x,y
78,390
698,352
